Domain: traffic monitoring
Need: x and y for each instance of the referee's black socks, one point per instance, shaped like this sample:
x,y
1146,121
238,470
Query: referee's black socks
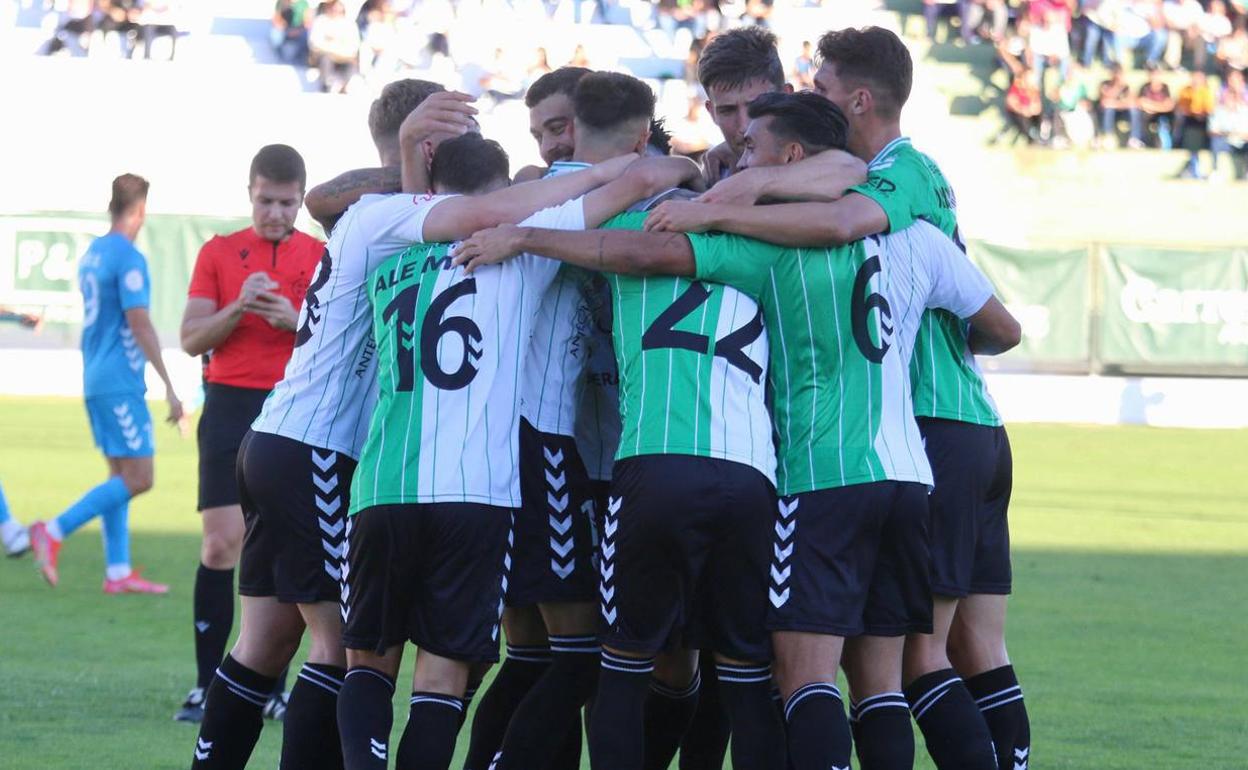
x,y
548,713
953,729
214,618
757,733
818,730
521,669
365,716
1000,700
616,734
428,741
232,720
883,737
310,737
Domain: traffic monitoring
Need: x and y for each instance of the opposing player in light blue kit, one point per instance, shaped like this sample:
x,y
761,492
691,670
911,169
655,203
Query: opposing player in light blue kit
x,y
117,341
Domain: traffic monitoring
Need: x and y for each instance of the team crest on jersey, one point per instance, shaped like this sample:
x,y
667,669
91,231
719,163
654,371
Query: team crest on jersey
x,y
134,280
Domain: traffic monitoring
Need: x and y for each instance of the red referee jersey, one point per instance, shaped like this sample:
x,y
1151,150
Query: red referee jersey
x,y
255,354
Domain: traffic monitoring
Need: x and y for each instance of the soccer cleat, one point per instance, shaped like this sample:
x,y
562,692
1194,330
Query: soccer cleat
x,y
47,550
134,584
193,709
18,543
275,709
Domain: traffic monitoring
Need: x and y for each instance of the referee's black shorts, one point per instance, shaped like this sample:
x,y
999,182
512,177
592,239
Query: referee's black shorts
x,y
228,414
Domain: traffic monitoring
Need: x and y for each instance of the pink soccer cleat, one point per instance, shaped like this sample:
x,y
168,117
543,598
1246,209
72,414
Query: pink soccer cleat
x,y
47,550
134,584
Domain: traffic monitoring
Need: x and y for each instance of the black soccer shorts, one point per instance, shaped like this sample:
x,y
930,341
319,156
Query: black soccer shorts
x,y
433,574
295,499
227,416
684,554
552,559
852,560
974,473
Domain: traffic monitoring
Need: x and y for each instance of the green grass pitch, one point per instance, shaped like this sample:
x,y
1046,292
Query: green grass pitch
x,y
1127,626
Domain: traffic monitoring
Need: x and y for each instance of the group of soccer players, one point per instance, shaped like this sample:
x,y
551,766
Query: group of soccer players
x,y
692,440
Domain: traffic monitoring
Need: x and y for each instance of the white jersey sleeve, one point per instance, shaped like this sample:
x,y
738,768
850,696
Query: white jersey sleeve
x,y
955,283
397,221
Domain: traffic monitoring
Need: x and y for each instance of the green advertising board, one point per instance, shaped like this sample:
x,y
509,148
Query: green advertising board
x,y
1174,310
1049,291
39,261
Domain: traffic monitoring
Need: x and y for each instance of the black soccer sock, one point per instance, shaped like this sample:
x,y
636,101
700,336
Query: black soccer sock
x,y
883,737
520,670
817,727
365,716
310,735
953,729
757,732
428,741
616,732
568,757
232,720
668,714
1000,700
214,618
543,719
706,741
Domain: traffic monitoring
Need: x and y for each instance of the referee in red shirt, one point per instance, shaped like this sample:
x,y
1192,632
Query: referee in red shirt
x,y
241,312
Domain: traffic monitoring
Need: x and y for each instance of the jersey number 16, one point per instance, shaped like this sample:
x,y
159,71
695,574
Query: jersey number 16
x,y
402,311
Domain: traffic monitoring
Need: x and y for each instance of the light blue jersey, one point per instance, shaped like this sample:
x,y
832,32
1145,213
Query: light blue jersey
x,y
113,278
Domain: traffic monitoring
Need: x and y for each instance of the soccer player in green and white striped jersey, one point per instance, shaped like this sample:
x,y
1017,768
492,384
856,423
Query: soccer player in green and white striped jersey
x,y
851,545
867,73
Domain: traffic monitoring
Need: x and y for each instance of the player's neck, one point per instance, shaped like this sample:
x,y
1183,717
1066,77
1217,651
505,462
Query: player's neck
x,y
128,229
871,139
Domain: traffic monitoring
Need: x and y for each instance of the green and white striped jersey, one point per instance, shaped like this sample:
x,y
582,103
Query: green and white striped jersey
x,y
842,323
947,381
692,358
450,351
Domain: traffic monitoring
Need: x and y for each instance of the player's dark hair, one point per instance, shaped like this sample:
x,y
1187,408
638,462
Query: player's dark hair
x,y
660,138
468,164
128,190
739,56
605,100
809,119
560,81
871,57
395,103
278,163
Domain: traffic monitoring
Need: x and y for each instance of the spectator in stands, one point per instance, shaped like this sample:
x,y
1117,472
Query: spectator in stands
x,y
803,75
158,18
289,33
378,36
74,28
499,80
1067,106
1100,24
1141,29
1116,103
335,43
1232,53
1050,41
1191,127
580,58
934,11
1024,107
540,66
1214,26
974,13
1154,106
1183,24
1228,125
673,15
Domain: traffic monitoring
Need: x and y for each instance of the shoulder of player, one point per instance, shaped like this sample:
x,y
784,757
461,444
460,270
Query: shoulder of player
x,y
225,243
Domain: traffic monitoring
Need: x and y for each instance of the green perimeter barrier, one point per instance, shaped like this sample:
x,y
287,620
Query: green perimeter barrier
x,y
1084,307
